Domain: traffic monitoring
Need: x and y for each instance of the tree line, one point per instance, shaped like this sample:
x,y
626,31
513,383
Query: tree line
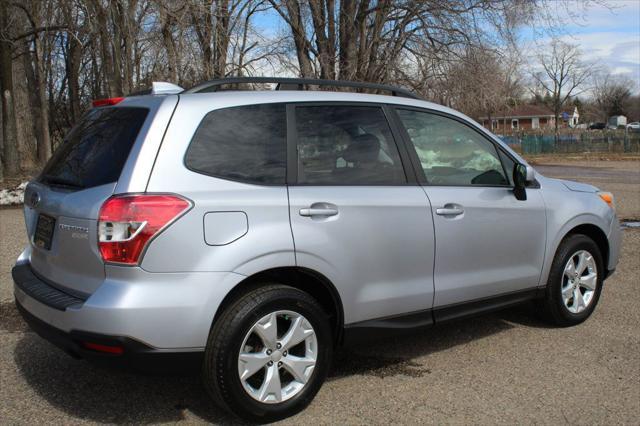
x,y
58,55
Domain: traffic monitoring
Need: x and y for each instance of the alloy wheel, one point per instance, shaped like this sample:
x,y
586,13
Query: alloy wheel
x,y
277,357
579,281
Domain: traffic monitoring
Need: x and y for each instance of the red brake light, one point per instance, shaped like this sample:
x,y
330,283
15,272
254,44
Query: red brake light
x,y
127,223
107,102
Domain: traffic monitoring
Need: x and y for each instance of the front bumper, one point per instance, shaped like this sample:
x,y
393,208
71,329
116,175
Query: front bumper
x,y
615,243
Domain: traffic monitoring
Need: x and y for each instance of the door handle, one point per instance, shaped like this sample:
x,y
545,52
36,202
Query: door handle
x,y
310,212
450,211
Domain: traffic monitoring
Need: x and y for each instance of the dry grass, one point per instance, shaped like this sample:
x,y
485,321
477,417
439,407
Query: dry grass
x,y
535,159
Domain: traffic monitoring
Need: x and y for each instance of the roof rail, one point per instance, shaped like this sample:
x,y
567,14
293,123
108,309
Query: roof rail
x,y
298,84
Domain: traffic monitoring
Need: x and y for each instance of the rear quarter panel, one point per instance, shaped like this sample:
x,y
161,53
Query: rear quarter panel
x,y
267,242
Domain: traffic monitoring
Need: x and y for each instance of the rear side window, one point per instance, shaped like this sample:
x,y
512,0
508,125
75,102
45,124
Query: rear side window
x,y
95,150
246,143
346,145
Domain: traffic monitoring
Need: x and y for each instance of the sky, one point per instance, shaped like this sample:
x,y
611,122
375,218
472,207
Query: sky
x,y
609,36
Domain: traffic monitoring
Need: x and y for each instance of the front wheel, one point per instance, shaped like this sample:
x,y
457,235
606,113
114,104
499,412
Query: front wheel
x,y
575,281
268,353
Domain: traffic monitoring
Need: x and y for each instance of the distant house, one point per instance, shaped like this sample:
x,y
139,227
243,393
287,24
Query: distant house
x,y
521,117
571,120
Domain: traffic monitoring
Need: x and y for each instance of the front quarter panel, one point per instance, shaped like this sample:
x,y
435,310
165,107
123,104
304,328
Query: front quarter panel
x,y
568,209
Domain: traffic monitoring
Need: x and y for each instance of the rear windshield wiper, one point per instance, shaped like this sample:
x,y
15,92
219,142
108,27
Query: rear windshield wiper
x,y
58,181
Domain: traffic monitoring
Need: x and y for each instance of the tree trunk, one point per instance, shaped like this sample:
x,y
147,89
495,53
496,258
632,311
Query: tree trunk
x,y
166,28
293,17
41,110
72,64
25,130
348,40
116,45
101,32
318,15
300,39
10,159
201,20
221,40
72,59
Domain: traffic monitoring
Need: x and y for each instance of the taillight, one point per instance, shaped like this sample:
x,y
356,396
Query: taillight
x,y
127,223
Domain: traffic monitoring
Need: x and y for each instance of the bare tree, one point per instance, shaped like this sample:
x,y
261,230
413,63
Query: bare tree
x,y
10,163
563,75
612,94
58,55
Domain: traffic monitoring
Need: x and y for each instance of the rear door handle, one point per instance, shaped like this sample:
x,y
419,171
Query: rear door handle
x,y
324,212
450,211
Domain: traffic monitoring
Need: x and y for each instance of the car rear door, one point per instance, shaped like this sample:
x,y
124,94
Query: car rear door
x,y
355,216
63,203
488,243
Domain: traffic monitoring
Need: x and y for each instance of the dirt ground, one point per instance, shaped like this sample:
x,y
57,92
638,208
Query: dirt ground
x,y
504,368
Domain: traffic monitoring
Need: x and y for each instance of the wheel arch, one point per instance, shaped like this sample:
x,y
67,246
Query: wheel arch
x,y
597,235
307,280
586,224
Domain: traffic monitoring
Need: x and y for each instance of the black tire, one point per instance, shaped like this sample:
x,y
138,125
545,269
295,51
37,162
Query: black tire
x,y
220,367
553,308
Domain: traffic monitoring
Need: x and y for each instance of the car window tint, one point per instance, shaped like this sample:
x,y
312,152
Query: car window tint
x,y
452,153
246,143
96,149
346,145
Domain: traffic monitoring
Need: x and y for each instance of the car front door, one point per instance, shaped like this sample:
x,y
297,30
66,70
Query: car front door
x,y
488,243
355,216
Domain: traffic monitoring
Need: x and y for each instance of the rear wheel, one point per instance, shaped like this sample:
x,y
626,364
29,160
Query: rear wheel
x,y
575,281
268,353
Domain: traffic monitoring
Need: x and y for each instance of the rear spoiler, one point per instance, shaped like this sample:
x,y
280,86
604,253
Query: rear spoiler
x,y
160,88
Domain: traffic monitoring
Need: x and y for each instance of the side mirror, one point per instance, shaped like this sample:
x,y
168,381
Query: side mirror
x,y
520,173
531,174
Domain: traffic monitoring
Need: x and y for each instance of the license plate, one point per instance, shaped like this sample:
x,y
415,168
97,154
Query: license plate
x,y
44,232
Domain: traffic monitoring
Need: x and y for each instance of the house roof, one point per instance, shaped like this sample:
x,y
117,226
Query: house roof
x,y
524,111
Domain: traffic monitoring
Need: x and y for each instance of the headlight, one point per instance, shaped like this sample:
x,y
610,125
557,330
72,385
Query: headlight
x,y
607,197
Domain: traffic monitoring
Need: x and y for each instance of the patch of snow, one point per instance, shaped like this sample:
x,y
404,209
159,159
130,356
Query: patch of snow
x,y
630,224
12,196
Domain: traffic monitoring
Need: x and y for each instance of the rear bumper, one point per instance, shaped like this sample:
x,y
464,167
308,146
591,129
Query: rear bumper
x,y
134,355
164,312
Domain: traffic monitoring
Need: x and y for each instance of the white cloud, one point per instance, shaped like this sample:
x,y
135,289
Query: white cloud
x,y
612,49
608,35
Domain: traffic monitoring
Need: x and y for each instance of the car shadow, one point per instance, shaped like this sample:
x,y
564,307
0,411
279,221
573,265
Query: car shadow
x,y
88,392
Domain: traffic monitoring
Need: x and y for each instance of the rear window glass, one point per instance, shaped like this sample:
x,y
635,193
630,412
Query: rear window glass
x,y
246,143
95,150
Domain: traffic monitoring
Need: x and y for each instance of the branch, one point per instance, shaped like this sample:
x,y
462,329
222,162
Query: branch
x,y
40,30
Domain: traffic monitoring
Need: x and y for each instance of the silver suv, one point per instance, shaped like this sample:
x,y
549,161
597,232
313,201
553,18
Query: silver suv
x,y
249,233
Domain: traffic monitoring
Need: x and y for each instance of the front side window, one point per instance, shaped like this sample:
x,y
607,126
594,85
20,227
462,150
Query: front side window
x,y
346,145
452,153
246,143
